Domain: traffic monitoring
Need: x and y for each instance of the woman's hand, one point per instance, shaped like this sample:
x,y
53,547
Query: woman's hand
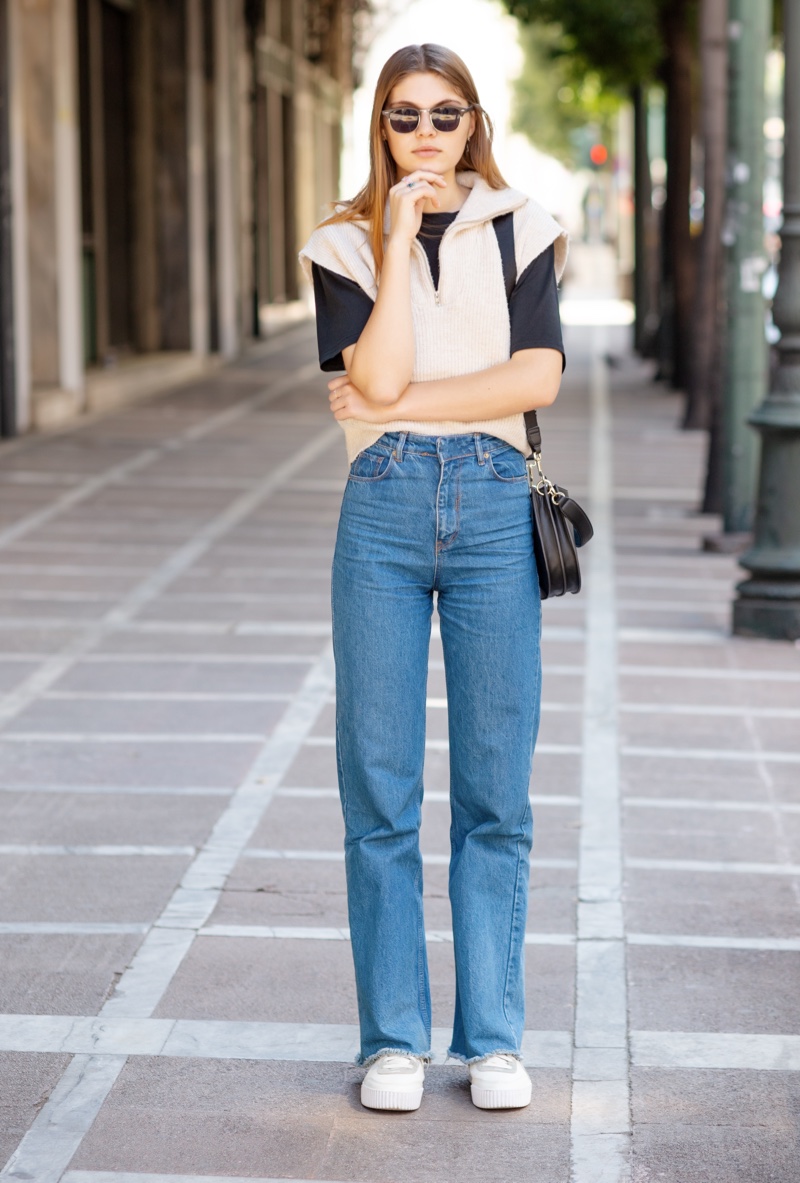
x,y
406,201
347,402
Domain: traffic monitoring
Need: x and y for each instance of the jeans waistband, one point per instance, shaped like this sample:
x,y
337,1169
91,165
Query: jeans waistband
x,y
447,447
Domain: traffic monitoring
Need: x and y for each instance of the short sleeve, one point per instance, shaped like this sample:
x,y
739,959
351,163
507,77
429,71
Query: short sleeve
x,y
533,307
343,309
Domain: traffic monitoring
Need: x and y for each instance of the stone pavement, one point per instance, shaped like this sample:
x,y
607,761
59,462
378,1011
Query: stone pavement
x,y
177,987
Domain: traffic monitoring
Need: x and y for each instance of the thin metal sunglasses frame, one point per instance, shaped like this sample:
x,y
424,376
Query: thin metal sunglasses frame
x,y
430,112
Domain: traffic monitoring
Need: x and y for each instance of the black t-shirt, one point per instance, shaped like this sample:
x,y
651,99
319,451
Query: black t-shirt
x,y
343,308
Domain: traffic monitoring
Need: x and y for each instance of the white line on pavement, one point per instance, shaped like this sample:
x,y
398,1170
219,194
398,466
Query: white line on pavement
x,y
690,1049
117,790
443,745
694,672
673,636
432,796
90,737
700,803
296,933
67,928
164,696
12,848
729,754
337,856
600,1122
749,944
223,1040
713,866
685,708
136,1177
173,659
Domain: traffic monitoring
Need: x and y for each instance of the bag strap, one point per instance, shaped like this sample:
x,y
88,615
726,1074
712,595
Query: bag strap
x,y
504,229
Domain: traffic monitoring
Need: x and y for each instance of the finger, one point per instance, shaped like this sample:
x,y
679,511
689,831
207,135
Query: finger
x,y
425,174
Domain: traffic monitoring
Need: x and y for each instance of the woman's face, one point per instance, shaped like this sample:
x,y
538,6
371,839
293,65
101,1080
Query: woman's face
x,y
425,147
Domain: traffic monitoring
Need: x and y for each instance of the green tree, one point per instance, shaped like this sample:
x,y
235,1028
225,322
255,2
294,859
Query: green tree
x,y
621,40
555,102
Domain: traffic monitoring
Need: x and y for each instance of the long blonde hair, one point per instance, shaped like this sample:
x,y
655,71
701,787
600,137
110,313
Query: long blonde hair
x,y
370,202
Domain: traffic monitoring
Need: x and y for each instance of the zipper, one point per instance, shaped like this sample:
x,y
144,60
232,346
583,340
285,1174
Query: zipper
x,y
421,250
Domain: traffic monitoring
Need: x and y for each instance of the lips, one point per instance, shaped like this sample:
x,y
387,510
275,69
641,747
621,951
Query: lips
x,y
427,151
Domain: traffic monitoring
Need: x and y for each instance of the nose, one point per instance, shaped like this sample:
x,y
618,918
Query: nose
x,y
425,127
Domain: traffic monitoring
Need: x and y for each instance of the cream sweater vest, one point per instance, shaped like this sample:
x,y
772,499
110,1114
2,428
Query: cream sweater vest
x,y
465,327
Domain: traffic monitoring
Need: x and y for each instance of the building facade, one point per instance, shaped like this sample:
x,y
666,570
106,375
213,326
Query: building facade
x,y
162,161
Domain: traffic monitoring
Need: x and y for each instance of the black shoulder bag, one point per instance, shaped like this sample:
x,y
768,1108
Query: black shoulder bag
x,y
560,526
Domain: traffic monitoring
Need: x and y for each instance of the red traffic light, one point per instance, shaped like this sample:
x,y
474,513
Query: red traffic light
x,y
598,154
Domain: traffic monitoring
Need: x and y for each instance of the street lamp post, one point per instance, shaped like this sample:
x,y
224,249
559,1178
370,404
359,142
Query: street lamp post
x,y
768,603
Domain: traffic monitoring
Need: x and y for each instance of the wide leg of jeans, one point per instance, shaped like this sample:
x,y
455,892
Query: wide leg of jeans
x,y
382,605
490,615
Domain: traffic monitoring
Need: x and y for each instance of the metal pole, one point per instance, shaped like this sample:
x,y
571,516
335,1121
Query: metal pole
x,y
746,361
8,393
768,604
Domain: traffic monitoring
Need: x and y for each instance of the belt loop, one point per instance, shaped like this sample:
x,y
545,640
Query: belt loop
x,y
479,447
401,443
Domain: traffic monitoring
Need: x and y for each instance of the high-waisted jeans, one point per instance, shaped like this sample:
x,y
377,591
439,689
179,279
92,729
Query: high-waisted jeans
x,y
451,515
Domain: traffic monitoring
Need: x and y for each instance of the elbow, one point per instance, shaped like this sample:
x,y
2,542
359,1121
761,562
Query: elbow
x,y
549,393
383,392
381,396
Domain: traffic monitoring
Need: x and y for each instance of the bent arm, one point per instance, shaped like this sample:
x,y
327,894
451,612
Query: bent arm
x,y
529,379
381,362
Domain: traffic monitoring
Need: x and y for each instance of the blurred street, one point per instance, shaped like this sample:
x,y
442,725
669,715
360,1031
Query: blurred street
x,y
177,990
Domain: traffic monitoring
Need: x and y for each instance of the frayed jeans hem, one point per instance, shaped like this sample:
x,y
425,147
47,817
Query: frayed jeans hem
x,y
368,1061
502,1051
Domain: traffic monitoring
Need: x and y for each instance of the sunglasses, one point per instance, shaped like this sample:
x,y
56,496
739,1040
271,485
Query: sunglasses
x,y
405,119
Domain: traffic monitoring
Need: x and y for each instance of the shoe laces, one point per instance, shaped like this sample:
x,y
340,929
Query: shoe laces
x,y
502,1062
397,1063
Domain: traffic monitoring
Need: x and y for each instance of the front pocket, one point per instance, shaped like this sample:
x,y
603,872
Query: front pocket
x,y
373,464
508,465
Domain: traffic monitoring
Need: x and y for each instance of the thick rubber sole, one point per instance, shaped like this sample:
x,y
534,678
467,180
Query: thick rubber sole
x,y
391,1098
484,1098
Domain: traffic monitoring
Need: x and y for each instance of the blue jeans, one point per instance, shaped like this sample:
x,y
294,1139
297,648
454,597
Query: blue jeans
x,y
451,515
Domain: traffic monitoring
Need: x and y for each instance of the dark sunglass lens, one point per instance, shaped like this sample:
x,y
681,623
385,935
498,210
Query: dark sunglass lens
x,y
403,119
446,118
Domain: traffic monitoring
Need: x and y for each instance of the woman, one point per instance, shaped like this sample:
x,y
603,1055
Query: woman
x,y
440,366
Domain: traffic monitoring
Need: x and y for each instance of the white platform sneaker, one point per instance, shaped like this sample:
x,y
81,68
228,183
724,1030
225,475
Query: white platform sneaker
x,y
394,1081
499,1082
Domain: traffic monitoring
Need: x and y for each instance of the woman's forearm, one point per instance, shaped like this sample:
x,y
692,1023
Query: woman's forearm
x,y
530,379
383,358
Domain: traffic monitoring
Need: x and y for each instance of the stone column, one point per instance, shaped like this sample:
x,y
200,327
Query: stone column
x,y
746,354
20,293
227,303
768,604
198,212
67,204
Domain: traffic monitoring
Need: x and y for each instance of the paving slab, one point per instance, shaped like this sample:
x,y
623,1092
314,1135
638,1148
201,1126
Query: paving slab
x,y
67,887
713,990
702,834
222,1117
100,819
61,974
103,715
707,904
714,1127
126,762
171,675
